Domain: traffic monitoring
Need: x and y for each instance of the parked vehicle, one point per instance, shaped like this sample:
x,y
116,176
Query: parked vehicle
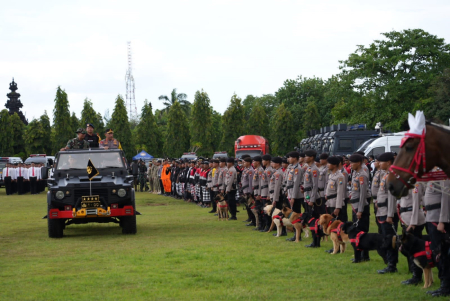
x,y
189,156
251,145
386,143
40,158
218,155
337,139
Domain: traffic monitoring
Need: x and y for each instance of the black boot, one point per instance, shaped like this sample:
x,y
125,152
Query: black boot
x,y
283,231
252,224
391,268
416,274
293,237
268,220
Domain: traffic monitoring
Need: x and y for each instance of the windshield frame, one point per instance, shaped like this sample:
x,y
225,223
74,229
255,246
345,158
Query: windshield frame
x,y
82,158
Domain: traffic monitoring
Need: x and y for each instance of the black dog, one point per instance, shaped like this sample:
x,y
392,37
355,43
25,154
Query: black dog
x,y
363,242
306,219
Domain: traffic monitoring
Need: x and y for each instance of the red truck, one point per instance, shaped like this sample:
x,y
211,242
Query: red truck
x,y
252,145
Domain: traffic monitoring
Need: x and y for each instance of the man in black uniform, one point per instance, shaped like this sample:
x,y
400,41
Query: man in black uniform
x,y
91,137
142,175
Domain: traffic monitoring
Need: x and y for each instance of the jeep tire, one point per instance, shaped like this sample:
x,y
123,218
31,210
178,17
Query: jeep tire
x,y
55,226
128,223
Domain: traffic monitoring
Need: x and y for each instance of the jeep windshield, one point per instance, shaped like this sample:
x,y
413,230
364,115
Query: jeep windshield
x,y
100,160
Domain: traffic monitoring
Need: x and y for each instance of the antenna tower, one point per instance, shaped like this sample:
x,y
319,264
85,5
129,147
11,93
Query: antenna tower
x,y
129,81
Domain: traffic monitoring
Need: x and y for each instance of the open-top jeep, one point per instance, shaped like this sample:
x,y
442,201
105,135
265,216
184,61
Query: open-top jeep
x,y
74,199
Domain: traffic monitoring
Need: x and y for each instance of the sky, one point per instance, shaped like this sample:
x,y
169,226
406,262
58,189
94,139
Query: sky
x,y
222,47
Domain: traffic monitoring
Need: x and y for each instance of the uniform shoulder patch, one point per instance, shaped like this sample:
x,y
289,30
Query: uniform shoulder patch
x,y
340,180
296,171
361,180
315,173
277,177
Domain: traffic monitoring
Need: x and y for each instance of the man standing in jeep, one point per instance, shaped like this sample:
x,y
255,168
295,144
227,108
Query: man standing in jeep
x,y
110,142
78,142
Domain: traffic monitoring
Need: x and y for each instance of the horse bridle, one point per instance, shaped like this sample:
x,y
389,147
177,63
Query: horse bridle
x,y
419,157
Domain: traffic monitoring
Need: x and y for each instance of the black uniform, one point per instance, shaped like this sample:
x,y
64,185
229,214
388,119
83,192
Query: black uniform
x,y
93,140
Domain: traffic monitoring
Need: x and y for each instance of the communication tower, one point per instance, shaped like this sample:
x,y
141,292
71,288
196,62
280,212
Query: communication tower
x,y
129,80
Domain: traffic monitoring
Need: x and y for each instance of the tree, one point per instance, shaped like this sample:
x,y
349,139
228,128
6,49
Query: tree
x,y
147,132
37,138
180,97
232,124
201,124
6,134
121,127
283,132
18,130
75,122
217,132
437,107
390,77
61,120
258,122
45,123
177,136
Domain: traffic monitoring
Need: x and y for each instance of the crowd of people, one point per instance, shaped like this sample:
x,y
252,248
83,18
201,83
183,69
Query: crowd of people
x,y
23,178
315,184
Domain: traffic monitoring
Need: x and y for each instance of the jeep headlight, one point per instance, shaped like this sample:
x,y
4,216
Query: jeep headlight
x,y
59,195
121,192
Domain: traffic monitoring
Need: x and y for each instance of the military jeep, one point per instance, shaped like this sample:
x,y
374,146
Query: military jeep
x,y
73,198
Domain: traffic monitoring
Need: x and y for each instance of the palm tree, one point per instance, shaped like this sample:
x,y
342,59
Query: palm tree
x,y
181,98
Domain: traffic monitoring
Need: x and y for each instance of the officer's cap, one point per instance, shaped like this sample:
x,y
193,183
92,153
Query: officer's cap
x,y
361,153
223,160
257,158
316,159
91,125
81,130
277,160
206,162
230,160
284,160
310,153
245,156
323,156
385,157
302,155
355,158
109,131
333,160
248,159
294,154
267,157
215,161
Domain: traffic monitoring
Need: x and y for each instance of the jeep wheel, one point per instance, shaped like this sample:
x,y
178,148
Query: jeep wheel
x,y
55,227
128,223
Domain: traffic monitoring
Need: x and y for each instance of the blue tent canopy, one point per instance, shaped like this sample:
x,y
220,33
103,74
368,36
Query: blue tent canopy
x,y
143,155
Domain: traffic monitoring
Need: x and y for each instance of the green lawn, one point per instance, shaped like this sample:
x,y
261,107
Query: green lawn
x,y
179,253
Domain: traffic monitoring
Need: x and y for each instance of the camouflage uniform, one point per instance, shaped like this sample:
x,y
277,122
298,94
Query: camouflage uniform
x,y
75,143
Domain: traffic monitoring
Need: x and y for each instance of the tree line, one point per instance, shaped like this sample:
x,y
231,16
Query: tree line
x,y
405,71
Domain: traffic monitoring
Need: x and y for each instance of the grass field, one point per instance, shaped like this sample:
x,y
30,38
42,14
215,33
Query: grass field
x,y
179,253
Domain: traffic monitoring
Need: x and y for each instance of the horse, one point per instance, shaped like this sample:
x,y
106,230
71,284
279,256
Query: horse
x,y
417,156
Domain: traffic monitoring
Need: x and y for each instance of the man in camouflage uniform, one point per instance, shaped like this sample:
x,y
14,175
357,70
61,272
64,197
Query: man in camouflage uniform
x,y
78,142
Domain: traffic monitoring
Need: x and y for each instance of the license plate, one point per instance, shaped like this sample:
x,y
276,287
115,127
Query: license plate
x,y
92,201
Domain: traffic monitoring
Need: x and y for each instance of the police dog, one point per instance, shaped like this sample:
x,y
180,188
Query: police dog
x,y
250,204
222,207
268,210
362,241
423,256
308,221
292,218
333,228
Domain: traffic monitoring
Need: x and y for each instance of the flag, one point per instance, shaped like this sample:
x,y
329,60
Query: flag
x,y
91,170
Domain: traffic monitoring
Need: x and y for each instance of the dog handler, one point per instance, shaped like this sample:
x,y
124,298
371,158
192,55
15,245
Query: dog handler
x,y
386,212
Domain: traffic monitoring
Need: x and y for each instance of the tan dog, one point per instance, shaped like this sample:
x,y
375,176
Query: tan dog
x,y
222,207
332,228
251,205
292,218
267,210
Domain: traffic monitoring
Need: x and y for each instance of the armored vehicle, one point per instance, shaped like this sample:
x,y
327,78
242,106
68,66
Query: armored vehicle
x,y
100,192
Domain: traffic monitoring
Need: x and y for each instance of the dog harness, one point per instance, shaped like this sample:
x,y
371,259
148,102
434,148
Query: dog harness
x,y
297,220
338,231
426,253
223,206
279,218
315,225
356,240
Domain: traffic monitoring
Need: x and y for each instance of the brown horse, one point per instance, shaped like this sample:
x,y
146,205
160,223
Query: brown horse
x,y
418,155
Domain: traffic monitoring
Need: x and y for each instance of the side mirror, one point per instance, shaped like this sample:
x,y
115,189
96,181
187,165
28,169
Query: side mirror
x,y
44,173
50,162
